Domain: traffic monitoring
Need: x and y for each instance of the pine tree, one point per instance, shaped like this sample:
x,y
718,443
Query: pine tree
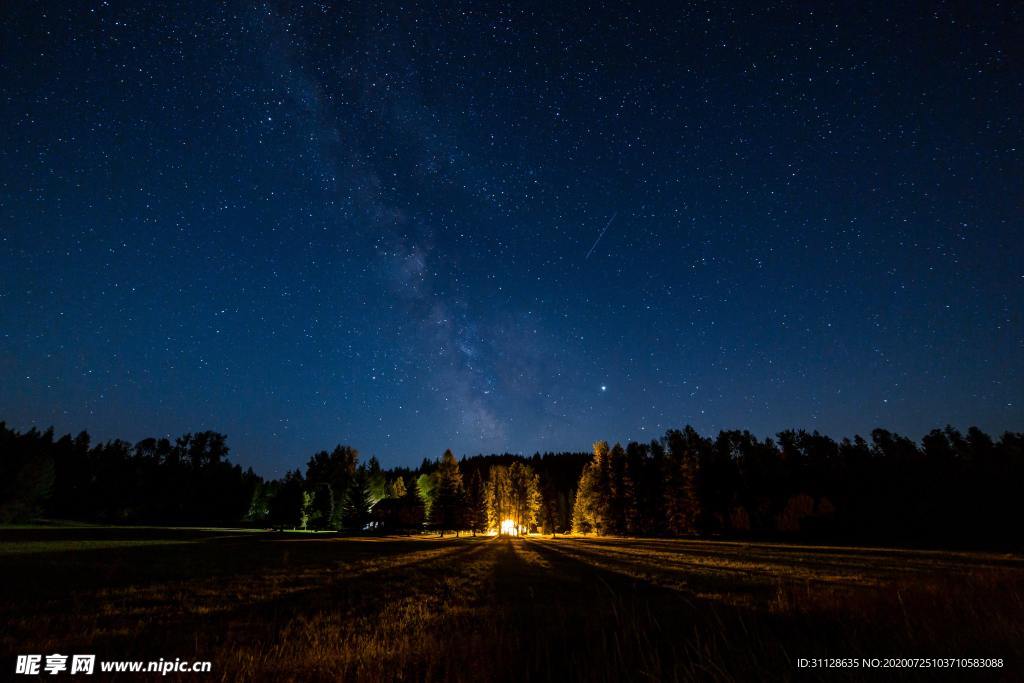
x,y
377,483
582,520
524,487
320,506
448,510
622,501
426,489
476,504
337,468
548,516
358,503
287,505
682,500
498,496
591,511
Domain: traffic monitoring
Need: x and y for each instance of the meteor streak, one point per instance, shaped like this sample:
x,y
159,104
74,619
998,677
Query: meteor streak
x,y
607,225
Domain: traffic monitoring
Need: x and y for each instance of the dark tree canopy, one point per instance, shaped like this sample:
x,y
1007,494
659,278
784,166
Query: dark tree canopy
x,y
448,510
951,488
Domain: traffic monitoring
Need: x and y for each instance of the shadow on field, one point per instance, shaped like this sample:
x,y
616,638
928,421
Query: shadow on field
x,y
691,578
194,599
256,620
265,606
778,559
149,556
582,622
620,621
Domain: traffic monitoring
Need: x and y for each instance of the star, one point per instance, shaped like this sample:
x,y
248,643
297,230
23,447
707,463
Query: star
x,y
381,258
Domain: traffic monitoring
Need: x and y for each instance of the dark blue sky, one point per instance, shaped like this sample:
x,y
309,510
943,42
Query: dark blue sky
x,y
302,224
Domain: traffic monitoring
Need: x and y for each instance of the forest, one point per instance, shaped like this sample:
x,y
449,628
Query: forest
x,y
951,489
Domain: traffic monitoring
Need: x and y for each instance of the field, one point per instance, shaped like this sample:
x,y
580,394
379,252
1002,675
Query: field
x,y
291,606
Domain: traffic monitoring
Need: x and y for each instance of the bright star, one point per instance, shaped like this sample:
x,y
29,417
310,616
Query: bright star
x,y
604,388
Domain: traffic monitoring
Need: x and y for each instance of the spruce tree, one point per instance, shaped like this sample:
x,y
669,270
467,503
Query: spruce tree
x,y
498,490
525,496
359,502
449,505
682,499
591,511
476,504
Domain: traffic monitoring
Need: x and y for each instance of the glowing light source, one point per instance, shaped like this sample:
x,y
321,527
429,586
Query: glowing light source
x,y
508,527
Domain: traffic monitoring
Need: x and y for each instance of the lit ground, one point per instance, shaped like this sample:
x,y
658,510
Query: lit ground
x,y
306,606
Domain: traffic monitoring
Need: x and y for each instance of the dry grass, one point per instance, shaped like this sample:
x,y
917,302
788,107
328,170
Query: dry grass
x,y
319,607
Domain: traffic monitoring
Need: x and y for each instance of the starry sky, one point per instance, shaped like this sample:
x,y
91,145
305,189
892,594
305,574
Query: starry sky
x,y
508,227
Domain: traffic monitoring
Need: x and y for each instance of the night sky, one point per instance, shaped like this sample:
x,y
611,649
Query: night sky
x,y
509,227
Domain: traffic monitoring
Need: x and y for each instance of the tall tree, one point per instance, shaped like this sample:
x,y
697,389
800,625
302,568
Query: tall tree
x,y
591,511
26,481
287,509
426,489
682,502
476,504
320,508
549,518
376,481
623,511
447,512
498,497
337,468
359,502
524,489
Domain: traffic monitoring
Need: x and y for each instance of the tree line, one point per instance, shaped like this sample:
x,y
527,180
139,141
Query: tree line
x,y
336,492
951,488
187,480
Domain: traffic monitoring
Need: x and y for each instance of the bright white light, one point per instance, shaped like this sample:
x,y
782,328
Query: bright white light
x,y
508,527
604,388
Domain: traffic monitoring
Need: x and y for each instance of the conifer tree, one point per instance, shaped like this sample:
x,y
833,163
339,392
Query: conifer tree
x,y
622,501
525,496
359,502
498,497
476,504
582,521
591,510
448,510
426,489
682,500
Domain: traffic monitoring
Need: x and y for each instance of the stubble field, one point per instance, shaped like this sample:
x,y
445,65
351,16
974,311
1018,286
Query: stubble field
x,y
272,606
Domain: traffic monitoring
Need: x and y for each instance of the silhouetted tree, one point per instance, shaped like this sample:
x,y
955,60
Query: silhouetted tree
x,y
951,488
683,512
320,510
287,508
623,513
358,502
448,510
26,481
476,504
338,469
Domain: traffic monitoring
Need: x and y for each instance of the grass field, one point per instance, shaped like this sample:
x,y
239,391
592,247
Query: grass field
x,y
271,606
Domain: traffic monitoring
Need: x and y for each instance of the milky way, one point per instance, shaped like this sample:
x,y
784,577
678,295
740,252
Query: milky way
x,y
304,224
